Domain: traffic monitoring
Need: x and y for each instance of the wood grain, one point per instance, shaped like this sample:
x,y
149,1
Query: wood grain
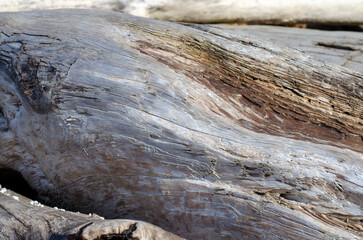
x,y
344,48
206,133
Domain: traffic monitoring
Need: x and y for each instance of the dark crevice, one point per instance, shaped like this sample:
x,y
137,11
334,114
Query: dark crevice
x,y
259,193
293,91
3,122
326,27
125,235
335,46
36,35
293,197
14,181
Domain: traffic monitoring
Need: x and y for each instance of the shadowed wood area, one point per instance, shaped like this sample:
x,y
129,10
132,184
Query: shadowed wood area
x,y
22,218
206,133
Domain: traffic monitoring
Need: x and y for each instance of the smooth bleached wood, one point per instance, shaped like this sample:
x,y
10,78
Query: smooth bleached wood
x,y
206,133
205,11
344,48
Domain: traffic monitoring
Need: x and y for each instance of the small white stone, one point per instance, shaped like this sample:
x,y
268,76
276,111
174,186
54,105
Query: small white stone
x,y
16,198
36,203
4,191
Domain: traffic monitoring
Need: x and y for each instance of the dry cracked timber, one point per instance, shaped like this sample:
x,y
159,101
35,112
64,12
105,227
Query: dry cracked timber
x,y
203,132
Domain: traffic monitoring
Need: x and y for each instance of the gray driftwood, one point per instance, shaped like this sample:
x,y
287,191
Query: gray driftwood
x,y
203,132
22,218
207,11
344,48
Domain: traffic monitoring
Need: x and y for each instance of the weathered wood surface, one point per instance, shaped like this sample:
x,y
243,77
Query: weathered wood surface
x,y
206,11
344,48
205,133
22,218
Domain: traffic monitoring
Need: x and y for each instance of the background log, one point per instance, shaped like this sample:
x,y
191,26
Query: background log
x,y
206,133
206,11
344,48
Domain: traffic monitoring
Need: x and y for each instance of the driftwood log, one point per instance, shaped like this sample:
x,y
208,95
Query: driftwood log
x,y
344,48
203,132
216,11
22,218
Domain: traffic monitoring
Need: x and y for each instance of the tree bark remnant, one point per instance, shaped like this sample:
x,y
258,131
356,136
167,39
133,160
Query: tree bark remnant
x,y
206,133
